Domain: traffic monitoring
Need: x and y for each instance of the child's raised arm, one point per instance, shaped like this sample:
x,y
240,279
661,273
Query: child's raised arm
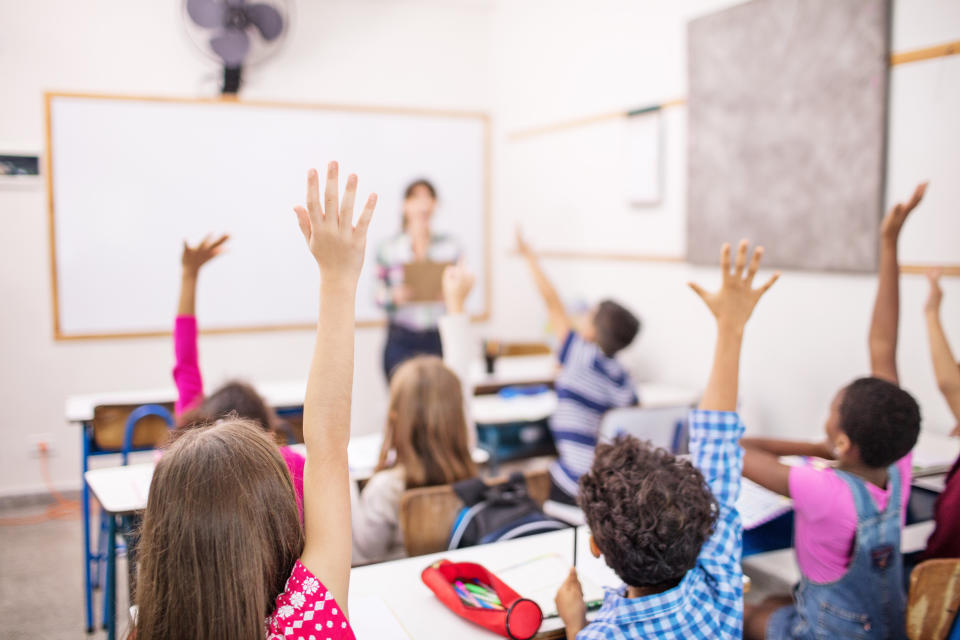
x,y
945,366
555,309
186,371
731,306
886,308
454,328
338,248
715,429
192,259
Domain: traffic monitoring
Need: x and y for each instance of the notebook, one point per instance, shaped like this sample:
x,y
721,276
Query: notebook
x,y
758,505
539,578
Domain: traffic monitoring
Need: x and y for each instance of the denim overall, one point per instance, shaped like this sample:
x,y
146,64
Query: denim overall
x,y
868,601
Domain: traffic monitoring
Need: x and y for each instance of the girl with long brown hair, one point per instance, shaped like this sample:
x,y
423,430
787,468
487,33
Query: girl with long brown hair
x,y
222,552
426,440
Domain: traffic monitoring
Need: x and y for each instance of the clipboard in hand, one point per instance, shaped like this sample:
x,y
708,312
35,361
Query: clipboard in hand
x,y
424,280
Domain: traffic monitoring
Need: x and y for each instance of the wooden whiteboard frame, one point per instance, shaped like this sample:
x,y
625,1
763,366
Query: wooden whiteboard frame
x,y
47,160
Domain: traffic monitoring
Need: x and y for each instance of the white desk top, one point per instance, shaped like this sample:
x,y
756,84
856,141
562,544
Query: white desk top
x,y
363,453
290,393
121,489
79,408
510,370
492,409
124,489
398,585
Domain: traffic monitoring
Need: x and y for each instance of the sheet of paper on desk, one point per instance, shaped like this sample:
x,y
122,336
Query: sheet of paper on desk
x,y
539,578
372,619
758,506
934,453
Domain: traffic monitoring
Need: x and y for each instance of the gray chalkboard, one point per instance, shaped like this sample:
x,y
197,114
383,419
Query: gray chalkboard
x,y
787,131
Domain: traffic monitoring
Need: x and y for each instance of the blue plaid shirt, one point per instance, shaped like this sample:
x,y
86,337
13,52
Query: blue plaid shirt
x,y
708,602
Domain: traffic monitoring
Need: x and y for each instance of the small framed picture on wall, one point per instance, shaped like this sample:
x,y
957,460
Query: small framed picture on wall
x,y
19,169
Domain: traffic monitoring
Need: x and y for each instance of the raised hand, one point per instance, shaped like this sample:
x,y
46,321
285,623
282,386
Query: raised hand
x,y
337,245
195,257
935,297
893,221
736,299
457,284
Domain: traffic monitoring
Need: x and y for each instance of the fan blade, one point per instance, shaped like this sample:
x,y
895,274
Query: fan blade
x,y
267,20
231,45
207,13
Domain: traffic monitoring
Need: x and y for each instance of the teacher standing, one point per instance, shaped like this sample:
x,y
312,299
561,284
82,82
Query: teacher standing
x,y
412,328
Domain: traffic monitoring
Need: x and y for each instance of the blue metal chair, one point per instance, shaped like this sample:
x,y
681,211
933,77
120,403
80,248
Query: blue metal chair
x,y
96,562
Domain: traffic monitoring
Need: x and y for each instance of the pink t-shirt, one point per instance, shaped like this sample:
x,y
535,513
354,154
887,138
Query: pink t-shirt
x,y
307,610
825,518
295,463
186,375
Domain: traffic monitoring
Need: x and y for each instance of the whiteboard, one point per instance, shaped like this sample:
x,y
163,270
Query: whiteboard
x,y
131,178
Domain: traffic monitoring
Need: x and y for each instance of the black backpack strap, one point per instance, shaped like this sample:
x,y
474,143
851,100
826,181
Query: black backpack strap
x,y
470,491
474,490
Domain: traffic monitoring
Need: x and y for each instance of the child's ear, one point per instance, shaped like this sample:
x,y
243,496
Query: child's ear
x,y
594,549
841,446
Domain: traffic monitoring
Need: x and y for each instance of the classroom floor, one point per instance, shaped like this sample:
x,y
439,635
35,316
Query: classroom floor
x,y
41,580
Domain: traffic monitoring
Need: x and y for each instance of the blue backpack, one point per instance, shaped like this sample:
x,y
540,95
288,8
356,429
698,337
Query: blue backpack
x,y
502,511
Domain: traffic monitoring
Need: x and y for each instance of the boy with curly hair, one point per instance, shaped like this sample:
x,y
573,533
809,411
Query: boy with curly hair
x,y
668,528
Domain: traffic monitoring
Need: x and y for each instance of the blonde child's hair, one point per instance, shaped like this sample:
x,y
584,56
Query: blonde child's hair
x,y
426,426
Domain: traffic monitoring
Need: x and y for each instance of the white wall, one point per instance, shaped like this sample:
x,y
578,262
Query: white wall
x,y
556,61
413,53
529,62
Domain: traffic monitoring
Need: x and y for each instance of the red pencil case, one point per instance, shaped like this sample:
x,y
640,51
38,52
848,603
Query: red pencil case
x,y
519,619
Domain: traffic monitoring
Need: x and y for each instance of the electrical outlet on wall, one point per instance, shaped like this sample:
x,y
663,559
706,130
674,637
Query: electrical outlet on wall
x,y
41,444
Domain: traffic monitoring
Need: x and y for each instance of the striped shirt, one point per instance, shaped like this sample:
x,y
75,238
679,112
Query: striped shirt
x,y
394,254
589,385
708,602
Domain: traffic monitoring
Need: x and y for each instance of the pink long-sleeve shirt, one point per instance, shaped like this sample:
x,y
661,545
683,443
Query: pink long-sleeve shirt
x,y
186,375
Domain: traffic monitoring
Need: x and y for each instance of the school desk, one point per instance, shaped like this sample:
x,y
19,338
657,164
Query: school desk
x,y
363,455
418,615
768,518
513,370
286,397
396,588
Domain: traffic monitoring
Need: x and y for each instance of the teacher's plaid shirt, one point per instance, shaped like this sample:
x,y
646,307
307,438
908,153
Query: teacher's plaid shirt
x,y
708,602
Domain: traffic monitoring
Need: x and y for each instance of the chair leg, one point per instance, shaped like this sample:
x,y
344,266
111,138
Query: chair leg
x,y
104,563
110,579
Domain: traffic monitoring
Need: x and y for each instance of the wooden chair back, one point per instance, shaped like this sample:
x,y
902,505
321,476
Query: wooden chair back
x,y
934,599
524,349
109,422
427,513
